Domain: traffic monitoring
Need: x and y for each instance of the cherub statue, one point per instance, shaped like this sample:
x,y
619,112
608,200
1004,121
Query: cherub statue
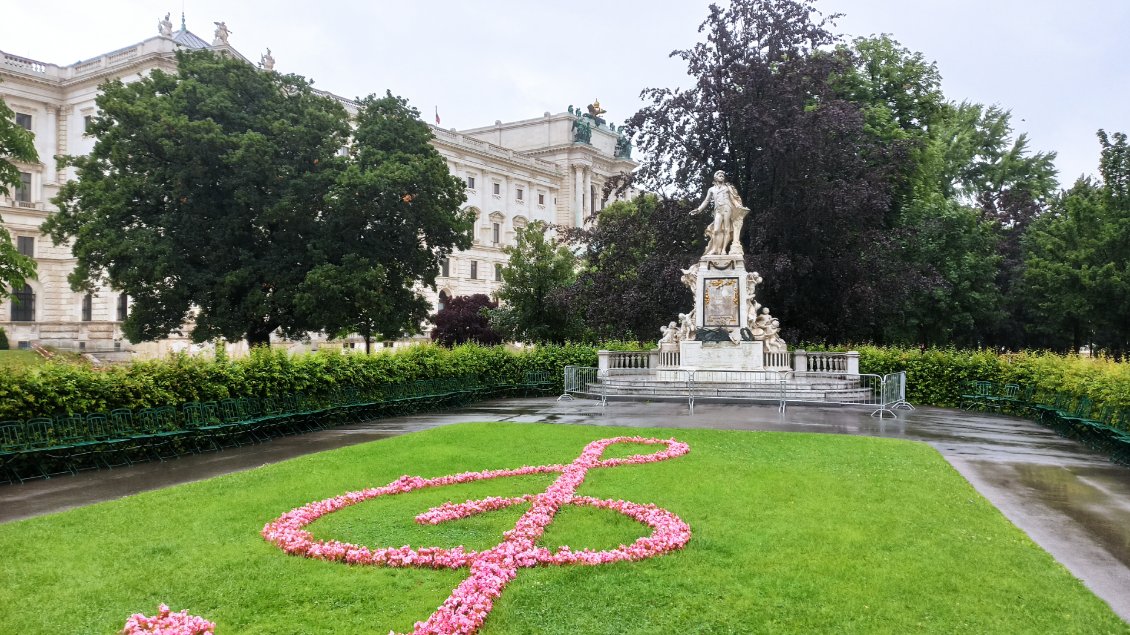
x,y
690,277
686,327
670,334
773,341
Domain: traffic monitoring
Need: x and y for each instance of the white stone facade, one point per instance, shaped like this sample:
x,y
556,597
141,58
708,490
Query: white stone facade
x,y
515,173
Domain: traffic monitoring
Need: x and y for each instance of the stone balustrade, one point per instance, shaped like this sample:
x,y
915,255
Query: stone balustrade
x,y
813,362
627,360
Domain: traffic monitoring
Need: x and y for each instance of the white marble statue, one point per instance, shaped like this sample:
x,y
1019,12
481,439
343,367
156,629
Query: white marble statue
x,y
686,327
725,232
773,341
670,334
222,33
690,277
267,61
165,26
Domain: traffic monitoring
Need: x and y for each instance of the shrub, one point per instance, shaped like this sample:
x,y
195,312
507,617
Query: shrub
x,y
56,387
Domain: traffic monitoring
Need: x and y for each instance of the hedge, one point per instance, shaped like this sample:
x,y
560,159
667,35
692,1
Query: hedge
x,y
936,376
67,388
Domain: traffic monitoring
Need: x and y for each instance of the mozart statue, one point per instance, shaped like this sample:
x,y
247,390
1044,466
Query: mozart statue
x,y
725,232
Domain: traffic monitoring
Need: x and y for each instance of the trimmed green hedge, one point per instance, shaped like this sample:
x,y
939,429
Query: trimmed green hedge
x,y
936,376
57,388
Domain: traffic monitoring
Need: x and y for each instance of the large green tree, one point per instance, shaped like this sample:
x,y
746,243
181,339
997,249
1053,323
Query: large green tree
x,y
765,107
629,283
390,217
16,144
219,195
535,280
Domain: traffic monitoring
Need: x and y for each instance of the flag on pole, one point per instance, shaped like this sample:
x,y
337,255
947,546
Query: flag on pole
x,y
437,115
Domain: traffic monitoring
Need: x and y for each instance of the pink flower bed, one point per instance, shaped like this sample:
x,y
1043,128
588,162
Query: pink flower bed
x,y
469,604
168,623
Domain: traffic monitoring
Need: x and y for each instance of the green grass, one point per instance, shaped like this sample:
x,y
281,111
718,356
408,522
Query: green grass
x,y
791,533
19,360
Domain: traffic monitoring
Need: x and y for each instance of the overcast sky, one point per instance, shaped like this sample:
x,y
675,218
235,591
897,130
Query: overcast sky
x,y
1061,67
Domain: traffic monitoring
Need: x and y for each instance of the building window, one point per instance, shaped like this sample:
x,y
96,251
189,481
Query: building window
x,y
497,189
445,267
23,190
498,273
443,300
26,245
541,198
474,270
519,193
23,120
87,308
470,182
123,307
86,121
496,231
23,305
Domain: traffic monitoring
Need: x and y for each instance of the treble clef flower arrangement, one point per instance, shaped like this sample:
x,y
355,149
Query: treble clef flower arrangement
x,y
465,610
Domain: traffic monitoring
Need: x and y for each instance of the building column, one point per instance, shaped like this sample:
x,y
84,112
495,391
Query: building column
x,y
578,196
591,207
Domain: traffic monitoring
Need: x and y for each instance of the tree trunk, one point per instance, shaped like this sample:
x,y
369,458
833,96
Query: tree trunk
x,y
368,344
259,335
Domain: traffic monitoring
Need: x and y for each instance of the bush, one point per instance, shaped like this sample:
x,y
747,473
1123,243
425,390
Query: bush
x,y
57,388
936,376
3,340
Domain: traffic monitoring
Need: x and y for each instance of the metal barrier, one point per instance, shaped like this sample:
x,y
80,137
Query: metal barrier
x,y
754,385
893,395
586,381
845,389
885,393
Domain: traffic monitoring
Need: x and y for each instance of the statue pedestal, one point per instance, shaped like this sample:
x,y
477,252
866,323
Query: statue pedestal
x,y
722,293
696,355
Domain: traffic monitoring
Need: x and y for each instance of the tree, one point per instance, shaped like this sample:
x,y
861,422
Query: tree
x,y
465,319
16,144
764,108
219,196
629,282
538,271
1061,268
391,216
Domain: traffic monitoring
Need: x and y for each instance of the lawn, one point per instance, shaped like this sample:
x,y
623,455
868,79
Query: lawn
x,y
19,359
790,533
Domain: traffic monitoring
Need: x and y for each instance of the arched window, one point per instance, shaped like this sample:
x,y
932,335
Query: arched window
x,y
23,305
87,308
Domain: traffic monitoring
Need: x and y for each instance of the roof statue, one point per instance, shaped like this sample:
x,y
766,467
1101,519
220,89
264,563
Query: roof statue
x,y
165,26
582,130
222,33
267,61
595,110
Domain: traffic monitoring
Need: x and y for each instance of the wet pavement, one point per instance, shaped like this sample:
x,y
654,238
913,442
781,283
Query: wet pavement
x,y
1071,501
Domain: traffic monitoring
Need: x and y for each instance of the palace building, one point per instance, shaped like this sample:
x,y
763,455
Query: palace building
x,y
551,168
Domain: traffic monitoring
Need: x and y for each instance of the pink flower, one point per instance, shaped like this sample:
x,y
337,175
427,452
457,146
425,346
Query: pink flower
x,y
166,623
465,610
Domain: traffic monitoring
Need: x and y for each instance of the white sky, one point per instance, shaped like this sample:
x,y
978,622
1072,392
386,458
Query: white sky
x,y
1062,67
